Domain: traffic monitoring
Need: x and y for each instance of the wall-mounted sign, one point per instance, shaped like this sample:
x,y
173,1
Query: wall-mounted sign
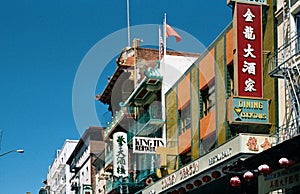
x,y
286,178
247,24
220,156
120,154
248,110
259,2
147,144
227,152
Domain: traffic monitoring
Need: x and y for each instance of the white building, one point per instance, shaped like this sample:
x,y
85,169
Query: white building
x,y
58,177
81,161
286,67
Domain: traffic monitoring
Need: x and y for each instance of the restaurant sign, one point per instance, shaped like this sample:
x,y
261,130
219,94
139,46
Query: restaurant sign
x,y
147,144
281,179
120,154
248,44
242,144
248,110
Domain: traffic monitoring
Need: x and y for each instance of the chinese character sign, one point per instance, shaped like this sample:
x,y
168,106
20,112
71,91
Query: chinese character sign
x,y
120,154
248,64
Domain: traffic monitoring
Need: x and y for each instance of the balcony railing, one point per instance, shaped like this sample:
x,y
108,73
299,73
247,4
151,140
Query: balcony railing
x,y
282,58
127,185
124,112
146,123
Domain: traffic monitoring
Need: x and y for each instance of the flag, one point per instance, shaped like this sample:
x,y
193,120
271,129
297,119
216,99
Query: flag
x,y
161,44
171,32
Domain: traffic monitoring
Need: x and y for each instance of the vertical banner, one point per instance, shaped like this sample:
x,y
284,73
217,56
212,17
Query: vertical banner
x,y
248,44
120,154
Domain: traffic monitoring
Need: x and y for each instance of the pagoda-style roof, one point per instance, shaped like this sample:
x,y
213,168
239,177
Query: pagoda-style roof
x,y
139,57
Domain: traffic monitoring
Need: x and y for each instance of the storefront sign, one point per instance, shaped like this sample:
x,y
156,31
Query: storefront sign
x,y
248,45
248,110
147,144
220,156
169,181
120,154
280,179
225,152
189,170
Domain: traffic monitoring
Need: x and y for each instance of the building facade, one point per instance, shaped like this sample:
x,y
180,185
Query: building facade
x,y
222,111
225,121
59,175
284,66
81,161
134,96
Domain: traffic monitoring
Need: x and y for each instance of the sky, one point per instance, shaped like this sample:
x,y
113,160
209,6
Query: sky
x,y
43,49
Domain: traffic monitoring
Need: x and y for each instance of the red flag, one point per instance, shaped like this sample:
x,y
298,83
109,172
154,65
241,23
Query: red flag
x,y
171,32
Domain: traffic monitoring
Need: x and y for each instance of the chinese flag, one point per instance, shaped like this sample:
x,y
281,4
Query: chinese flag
x,y
171,32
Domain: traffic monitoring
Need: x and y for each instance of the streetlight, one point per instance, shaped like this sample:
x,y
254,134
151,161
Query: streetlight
x,y
18,151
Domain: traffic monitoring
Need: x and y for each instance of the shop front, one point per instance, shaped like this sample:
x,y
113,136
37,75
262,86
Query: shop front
x,y
209,173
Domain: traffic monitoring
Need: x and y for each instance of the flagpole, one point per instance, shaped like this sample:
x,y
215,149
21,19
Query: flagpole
x,y
162,66
159,43
165,34
128,24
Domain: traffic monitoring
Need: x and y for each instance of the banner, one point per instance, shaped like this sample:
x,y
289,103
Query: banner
x,y
120,154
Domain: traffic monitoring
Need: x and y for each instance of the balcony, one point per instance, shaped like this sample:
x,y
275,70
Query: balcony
x,y
114,186
286,57
120,122
145,92
147,123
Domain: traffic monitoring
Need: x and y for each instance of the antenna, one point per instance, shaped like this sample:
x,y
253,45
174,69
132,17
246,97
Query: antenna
x,y
128,23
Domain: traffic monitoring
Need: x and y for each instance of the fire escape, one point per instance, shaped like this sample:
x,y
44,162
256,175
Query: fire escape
x,y
285,66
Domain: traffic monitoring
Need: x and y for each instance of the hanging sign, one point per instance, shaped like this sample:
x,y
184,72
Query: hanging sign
x,y
120,154
248,45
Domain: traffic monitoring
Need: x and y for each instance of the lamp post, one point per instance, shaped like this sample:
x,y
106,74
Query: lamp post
x,y
18,151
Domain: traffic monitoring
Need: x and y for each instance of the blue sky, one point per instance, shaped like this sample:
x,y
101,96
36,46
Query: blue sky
x,y
42,44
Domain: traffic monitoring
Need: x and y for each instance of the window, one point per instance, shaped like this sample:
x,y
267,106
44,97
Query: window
x,y
185,118
230,82
171,162
208,143
185,158
208,99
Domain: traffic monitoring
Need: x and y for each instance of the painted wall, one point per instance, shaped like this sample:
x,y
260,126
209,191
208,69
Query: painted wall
x,y
213,66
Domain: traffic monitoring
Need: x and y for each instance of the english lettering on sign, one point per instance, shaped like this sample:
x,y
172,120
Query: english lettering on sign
x,y
169,181
147,144
189,170
220,156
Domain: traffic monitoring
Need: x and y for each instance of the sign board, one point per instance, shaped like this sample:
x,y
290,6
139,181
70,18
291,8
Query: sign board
x,y
248,110
120,154
247,24
280,179
147,145
244,143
